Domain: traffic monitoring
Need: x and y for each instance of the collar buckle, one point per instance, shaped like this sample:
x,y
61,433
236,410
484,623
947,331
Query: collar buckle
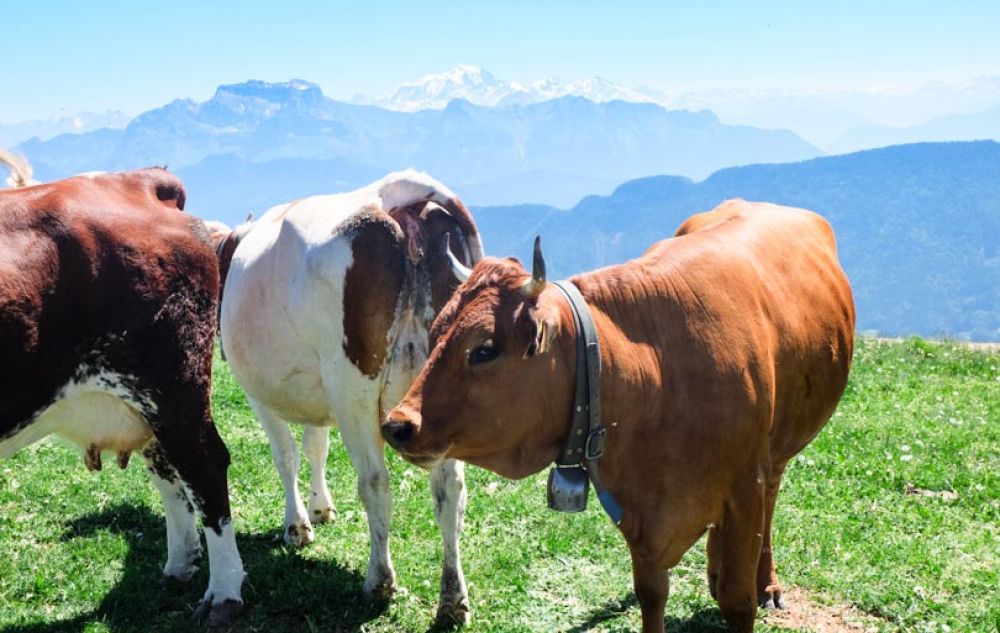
x,y
594,448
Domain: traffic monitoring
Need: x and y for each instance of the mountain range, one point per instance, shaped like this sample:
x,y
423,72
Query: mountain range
x,y
13,133
918,224
475,85
553,151
918,228
835,120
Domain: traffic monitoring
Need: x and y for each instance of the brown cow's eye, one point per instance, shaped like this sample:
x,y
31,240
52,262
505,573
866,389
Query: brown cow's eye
x,y
484,353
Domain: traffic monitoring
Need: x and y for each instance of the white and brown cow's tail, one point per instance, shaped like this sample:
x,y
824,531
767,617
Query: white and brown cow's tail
x,y
20,169
225,242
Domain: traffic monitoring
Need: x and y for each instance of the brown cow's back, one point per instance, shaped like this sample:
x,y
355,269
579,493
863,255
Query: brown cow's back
x,y
806,307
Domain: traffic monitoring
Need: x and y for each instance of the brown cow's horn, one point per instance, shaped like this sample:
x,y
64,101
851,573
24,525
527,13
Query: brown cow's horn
x,y
458,269
537,283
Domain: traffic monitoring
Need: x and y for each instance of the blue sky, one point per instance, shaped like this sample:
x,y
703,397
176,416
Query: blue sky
x,y
67,57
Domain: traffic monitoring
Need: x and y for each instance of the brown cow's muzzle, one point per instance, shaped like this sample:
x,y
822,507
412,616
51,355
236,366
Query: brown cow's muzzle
x,y
399,427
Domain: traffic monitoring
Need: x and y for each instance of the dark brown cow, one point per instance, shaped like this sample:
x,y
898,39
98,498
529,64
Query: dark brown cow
x,y
107,322
723,351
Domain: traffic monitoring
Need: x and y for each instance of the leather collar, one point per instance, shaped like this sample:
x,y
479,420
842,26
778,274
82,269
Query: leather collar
x,y
585,444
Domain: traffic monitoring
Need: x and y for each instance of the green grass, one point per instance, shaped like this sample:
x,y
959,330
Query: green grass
x,y
83,553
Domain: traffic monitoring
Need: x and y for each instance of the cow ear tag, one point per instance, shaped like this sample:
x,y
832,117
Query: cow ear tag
x,y
568,489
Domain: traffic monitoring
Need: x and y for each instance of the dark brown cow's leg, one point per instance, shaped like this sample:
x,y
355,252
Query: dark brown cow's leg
x,y
183,543
191,446
741,536
651,589
768,586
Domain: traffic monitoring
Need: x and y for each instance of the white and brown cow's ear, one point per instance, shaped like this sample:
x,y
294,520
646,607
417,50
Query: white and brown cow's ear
x,y
408,218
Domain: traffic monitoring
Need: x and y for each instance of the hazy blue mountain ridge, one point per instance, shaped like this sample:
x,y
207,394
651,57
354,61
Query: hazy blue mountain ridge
x,y
918,228
496,154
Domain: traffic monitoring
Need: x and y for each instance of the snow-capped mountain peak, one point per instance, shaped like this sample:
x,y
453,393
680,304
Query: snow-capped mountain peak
x,y
433,92
479,86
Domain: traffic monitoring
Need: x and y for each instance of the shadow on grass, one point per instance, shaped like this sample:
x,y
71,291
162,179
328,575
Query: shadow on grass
x,y
284,591
705,620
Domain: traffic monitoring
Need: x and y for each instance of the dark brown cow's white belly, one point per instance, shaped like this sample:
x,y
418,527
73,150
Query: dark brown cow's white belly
x,y
98,413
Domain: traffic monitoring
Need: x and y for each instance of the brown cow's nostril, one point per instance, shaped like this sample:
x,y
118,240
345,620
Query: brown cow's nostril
x,y
397,433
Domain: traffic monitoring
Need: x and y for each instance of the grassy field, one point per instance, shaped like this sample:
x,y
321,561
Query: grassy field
x,y
894,508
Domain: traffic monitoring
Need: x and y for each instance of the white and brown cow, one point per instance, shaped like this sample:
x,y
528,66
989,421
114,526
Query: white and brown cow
x,y
324,321
107,313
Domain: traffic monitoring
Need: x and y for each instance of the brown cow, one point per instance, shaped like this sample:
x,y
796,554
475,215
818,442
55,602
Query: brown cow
x,y
724,351
107,321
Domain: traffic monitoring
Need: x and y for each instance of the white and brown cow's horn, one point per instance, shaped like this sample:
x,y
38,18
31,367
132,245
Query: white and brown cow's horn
x,y
536,284
458,269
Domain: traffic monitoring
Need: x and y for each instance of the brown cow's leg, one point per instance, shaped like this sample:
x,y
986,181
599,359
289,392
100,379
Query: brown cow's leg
x,y
768,587
741,537
713,549
651,588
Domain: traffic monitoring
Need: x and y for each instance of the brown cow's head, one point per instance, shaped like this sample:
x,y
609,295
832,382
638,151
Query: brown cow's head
x,y
496,390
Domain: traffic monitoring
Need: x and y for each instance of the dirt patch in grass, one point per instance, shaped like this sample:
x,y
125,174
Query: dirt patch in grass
x,y
807,614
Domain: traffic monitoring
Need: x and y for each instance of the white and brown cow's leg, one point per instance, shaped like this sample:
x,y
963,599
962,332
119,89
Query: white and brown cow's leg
x,y
358,417
183,543
316,446
364,446
448,488
298,529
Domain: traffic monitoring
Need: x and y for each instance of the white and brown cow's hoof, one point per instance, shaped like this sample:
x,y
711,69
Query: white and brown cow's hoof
x,y
221,614
323,515
381,591
299,535
453,613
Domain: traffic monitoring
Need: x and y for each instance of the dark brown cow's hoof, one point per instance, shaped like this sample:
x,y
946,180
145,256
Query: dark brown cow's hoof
x,y
222,614
173,583
225,614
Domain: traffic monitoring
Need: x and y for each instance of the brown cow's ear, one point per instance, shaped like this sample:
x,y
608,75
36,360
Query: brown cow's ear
x,y
542,332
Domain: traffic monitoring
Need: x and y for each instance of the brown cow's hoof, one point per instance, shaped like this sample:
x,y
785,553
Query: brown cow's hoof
x,y
771,598
323,515
222,614
299,535
453,613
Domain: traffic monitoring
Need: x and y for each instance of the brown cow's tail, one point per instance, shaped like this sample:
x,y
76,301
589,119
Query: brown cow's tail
x,y
20,169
